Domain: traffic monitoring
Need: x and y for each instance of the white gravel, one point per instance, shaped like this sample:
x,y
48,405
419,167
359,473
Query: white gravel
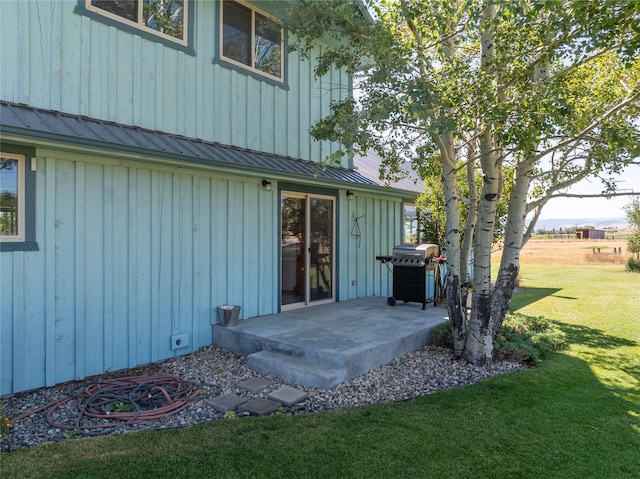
x,y
425,371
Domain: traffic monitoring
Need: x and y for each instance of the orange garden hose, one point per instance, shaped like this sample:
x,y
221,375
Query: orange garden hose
x,y
105,405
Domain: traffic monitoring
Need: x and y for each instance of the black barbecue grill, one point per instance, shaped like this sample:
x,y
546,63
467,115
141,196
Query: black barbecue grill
x,y
411,262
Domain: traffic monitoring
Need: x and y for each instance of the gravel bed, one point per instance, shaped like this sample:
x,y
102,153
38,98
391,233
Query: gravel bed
x,y
218,371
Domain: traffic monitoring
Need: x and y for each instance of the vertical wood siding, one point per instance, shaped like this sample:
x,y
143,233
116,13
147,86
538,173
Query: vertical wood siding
x,y
131,254
380,226
64,61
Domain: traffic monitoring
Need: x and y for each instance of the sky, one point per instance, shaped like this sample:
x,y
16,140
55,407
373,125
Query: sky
x,y
597,208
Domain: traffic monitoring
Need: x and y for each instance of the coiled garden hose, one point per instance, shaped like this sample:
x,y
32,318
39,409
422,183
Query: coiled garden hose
x,y
106,405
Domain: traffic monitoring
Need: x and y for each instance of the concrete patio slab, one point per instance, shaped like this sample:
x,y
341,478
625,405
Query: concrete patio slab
x,y
322,346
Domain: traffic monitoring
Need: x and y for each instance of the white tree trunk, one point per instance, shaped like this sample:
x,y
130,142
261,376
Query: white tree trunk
x,y
513,242
470,226
455,307
479,344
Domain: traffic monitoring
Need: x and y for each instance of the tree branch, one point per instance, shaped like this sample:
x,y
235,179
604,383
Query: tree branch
x,y
596,195
579,136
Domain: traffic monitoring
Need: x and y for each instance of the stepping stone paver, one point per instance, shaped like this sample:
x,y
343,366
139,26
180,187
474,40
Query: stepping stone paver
x,y
227,402
288,396
254,385
259,407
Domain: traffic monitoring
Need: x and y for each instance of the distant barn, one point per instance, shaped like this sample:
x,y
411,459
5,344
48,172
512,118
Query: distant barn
x,y
589,233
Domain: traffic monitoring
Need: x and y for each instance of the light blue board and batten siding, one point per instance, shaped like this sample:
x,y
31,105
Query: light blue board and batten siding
x,y
130,256
68,62
380,227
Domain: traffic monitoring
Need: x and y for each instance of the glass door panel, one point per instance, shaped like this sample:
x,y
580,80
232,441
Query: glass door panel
x,y
307,249
293,219
321,249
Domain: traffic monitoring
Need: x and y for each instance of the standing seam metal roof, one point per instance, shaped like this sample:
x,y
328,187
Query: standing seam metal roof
x,y
38,123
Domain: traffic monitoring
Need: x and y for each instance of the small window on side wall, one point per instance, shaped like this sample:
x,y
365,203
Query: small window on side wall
x,y
249,39
17,197
12,197
164,19
410,224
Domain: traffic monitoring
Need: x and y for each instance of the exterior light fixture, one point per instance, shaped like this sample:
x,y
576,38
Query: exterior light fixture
x,y
266,184
349,195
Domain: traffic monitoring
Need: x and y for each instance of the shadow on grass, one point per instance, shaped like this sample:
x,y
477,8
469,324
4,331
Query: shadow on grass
x,y
530,295
594,338
604,350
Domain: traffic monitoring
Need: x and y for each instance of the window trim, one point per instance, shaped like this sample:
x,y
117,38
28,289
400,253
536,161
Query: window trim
x,y
250,69
26,240
84,7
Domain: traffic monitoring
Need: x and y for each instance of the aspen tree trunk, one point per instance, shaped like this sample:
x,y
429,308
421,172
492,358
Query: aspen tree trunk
x,y
457,314
470,226
515,235
479,344
513,241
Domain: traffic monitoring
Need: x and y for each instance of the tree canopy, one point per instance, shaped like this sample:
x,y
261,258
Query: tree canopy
x,y
522,98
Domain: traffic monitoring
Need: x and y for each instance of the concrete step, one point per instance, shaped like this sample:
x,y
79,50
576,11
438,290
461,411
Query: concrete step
x,y
297,370
236,339
307,352
242,342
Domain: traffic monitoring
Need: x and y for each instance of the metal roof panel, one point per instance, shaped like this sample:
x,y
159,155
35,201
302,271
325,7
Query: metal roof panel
x,y
53,125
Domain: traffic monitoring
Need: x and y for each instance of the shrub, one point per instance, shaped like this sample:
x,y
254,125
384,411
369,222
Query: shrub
x,y
5,426
442,336
633,265
521,338
527,338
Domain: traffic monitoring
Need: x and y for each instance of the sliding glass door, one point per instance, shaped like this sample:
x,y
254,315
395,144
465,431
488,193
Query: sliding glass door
x,y
307,249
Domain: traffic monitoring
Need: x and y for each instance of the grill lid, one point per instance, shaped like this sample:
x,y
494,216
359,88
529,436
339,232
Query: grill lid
x,y
413,255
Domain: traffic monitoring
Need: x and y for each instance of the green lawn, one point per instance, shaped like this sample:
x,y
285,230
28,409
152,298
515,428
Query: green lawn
x,y
577,415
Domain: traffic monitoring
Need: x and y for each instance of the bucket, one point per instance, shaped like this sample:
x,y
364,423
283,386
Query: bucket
x,y
228,315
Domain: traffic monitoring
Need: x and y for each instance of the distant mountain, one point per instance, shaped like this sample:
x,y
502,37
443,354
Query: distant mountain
x,y
599,223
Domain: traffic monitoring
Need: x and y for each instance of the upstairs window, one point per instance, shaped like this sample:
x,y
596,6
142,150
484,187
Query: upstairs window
x,y
250,39
166,19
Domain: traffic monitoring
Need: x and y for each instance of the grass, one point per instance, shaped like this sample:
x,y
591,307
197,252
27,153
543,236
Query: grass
x,y
576,415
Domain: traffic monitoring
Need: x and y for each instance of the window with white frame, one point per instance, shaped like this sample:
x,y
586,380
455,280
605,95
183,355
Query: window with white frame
x,y
167,19
250,39
12,198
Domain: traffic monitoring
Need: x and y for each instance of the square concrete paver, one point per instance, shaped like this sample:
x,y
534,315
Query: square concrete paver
x,y
254,385
228,402
288,396
259,407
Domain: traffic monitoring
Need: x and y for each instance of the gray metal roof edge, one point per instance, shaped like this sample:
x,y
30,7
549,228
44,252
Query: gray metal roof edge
x,y
341,174
174,158
177,159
